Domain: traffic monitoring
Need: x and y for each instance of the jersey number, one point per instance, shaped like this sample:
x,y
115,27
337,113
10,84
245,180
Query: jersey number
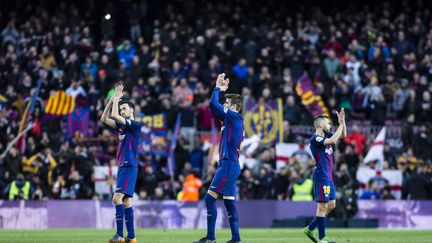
x,y
326,190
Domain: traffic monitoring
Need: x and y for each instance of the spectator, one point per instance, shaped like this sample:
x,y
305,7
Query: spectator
x,y
262,184
281,183
75,89
425,112
246,186
13,166
400,98
351,158
386,195
241,70
292,111
357,139
191,187
417,186
371,192
331,64
407,134
422,144
76,187
301,188
89,70
20,189
126,54
10,34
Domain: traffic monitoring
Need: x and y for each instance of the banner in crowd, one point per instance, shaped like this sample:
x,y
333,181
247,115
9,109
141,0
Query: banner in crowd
x,y
153,135
381,179
264,120
105,179
310,97
285,152
98,214
78,123
59,103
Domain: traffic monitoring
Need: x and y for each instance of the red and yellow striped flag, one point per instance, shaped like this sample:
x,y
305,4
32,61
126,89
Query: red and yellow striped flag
x,y
310,97
60,103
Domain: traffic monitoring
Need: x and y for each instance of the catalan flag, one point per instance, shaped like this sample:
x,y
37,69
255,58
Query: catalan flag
x,y
310,97
60,103
27,112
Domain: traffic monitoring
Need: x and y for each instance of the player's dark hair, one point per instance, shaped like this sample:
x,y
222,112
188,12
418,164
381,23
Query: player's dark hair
x,y
318,119
130,104
236,99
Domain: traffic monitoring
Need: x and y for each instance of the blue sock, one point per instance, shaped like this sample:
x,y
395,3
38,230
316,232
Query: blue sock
x,y
313,224
129,218
233,219
211,216
321,221
119,219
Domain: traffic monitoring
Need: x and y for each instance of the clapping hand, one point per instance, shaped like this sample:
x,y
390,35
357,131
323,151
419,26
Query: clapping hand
x,y
221,82
118,91
341,116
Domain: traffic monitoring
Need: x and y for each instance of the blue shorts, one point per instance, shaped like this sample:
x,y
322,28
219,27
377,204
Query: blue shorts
x,y
126,180
224,181
324,191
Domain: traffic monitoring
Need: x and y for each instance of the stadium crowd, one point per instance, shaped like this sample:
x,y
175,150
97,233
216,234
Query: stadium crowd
x,y
374,60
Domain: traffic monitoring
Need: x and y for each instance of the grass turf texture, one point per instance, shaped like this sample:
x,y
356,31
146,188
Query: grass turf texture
x,y
188,236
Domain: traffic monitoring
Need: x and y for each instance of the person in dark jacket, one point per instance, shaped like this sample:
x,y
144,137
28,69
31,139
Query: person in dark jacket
x,y
417,186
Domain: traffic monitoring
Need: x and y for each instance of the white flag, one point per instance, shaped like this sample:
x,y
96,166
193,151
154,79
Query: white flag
x,y
376,151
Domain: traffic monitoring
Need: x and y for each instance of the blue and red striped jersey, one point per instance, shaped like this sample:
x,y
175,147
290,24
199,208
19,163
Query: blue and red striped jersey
x,y
232,130
128,135
324,157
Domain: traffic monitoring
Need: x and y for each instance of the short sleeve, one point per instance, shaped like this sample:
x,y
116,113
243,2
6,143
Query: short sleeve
x,y
118,125
317,140
132,125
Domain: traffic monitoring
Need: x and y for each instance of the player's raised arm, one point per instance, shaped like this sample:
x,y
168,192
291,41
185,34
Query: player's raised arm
x,y
105,115
344,133
217,108
115,106
339,132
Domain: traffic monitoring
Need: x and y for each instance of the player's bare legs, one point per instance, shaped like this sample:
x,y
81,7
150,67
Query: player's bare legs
x,y
118,202
129,220
330,206
213,194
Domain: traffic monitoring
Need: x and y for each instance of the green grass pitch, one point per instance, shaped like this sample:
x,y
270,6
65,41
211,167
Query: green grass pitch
x,y
188,236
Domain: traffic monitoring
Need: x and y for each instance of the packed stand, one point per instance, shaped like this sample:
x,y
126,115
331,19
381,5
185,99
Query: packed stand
x,y
373,60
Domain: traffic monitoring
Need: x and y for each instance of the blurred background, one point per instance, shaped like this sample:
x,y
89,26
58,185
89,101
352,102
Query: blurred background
x,y
291,61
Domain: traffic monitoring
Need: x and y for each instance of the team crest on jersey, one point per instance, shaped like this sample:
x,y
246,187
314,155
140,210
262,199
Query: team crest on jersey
x,y
121,133
329,150
225,109
319,139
